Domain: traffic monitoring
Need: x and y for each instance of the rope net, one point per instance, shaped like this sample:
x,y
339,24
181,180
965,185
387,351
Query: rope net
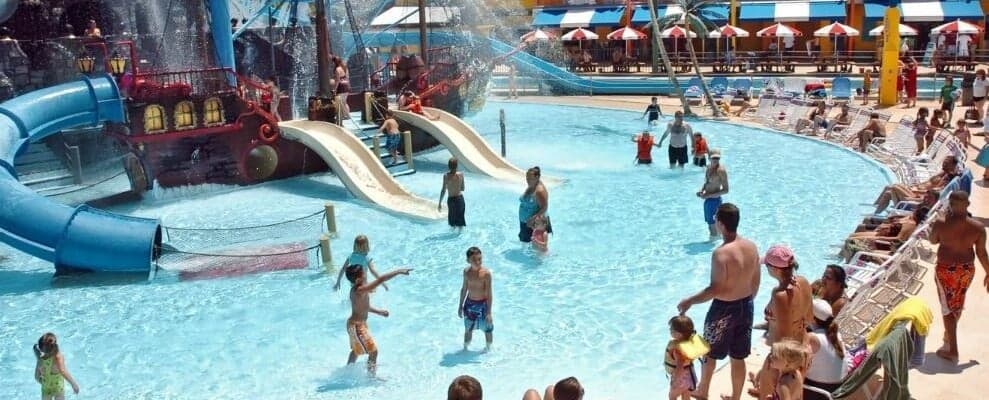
x,y
240,261
306,228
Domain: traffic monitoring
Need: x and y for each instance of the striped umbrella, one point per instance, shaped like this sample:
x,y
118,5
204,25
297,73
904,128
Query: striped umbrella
x,y
579,34
905,30
778,31
535,35
728,31
626,33
836,29
958,27
676,32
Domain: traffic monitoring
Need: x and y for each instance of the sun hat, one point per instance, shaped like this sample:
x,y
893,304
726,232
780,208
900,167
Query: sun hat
x,y
822,310
715,153
778,256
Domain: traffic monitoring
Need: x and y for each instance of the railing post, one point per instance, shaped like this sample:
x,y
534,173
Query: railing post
x,y
368,107
325,254
331,219
376,146
75,162
501,123
407,138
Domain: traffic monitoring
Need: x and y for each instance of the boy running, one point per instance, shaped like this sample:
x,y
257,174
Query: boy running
x,y
476,299
653,111
361,341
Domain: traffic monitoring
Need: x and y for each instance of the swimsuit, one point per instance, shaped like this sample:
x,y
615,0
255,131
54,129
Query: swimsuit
x,y
952,282
392,140
643,152
358,259
728,328
456,208
528,208
52,383
475,315
710,208
361,341
684,381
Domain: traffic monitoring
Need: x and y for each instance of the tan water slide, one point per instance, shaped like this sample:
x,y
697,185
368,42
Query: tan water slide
x,y
464,143
358,168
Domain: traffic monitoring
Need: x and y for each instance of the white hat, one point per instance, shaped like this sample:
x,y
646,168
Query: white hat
x,y
822,310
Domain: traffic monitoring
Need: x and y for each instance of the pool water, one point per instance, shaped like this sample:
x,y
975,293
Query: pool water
x,y
630,242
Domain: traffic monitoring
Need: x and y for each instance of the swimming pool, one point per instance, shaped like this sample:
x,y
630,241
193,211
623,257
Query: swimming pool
x,y
630,243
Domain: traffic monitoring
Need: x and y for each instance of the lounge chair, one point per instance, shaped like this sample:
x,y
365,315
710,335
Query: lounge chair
x,y
693,92
719,86
841,89
794,86
893,354
742,88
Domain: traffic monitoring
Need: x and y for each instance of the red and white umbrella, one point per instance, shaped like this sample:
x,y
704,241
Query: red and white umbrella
x,y
626,33
778,30
957,27
905,30
535,35
579,34
836,29
676,32
728,31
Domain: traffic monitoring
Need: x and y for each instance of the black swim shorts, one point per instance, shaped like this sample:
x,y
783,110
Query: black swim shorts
x,y
678,155
728,328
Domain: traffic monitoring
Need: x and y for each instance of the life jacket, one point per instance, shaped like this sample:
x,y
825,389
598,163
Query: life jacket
x,y
693,348
645,148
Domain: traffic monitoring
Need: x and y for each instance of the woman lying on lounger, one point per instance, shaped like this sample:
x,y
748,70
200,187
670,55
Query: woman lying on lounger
x,y
893,194
887,237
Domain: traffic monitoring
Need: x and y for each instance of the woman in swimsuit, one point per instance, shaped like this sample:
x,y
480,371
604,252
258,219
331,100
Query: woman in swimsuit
x,y
533,205
50,370
832,287
340,71
887,237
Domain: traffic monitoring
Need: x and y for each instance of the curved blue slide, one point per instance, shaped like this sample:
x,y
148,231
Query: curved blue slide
x,y
74,239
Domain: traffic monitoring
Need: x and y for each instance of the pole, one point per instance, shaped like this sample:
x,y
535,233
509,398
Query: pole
x,y
322,49
407,138
423,43
501,122
331,219
326,257
891,55
271,37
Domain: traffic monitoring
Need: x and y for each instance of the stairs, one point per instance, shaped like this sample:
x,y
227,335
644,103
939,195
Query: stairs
x,y
366,133
42,170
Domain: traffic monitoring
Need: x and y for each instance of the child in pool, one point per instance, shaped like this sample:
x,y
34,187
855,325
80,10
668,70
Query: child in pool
x,y
681,351
540,239
361,341
790,358
50,369
362,246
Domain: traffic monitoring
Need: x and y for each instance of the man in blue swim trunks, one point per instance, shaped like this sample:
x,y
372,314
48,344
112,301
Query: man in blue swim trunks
x,y
715,185
389,127
476,299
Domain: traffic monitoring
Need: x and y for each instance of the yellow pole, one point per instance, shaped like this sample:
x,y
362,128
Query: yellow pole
x,y
891,56
733,18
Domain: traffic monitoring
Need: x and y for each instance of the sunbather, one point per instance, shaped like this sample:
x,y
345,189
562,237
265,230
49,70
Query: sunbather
x,y
840,121
886,237
896,193
875,128
816,119
872,222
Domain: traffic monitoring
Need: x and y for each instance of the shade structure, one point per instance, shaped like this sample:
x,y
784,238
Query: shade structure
x,y
905,30
728,31
957,27
676,32
579,34
778,30
535,35
836,29
626,33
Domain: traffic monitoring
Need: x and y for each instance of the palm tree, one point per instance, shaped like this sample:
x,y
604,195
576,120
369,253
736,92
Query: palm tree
x,y
658,44
696,17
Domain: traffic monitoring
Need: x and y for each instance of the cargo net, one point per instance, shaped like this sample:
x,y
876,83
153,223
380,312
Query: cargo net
x,y
205,253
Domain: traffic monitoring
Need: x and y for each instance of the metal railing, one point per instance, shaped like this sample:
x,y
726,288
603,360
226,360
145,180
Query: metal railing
x,y
73,156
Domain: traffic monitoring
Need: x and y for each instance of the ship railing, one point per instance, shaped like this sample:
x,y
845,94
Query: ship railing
x,y
198,82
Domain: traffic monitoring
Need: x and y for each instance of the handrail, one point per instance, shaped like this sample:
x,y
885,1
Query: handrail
x,y
75,161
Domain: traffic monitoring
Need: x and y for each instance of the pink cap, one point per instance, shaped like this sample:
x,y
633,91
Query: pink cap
x,y
778,256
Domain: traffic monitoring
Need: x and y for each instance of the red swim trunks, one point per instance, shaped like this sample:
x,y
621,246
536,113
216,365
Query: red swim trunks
x,y
953,281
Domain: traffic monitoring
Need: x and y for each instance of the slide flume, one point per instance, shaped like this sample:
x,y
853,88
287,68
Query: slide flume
x,y
360,170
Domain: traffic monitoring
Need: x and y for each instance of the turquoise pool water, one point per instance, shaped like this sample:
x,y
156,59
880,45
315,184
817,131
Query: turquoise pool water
x,y
630,242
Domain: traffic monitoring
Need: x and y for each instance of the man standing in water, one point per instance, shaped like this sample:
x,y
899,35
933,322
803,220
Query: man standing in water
x,y
453,181
734,282
476,299
715,185
961,239
680,134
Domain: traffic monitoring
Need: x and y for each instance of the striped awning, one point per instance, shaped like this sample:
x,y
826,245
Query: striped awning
x,y
405,16
641,15
935,11
578,17
794,11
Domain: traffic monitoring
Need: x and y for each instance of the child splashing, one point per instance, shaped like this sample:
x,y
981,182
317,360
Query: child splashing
x,y
681,351
362,246
50,369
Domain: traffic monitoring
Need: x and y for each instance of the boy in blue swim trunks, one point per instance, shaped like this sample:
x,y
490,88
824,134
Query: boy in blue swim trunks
x,y
392,136
476,299
715,185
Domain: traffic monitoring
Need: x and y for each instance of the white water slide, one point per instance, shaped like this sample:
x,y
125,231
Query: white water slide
x,y
358,168
464,143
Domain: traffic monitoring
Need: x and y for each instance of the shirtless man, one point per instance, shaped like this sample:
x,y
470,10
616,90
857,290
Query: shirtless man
x,y
734,282
476,299
392,136
453,181
680,134
361,341
715,185
873,129
961,239
840,121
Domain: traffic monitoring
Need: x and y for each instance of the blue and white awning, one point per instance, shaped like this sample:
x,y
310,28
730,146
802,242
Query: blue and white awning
x,y
935,11
795,11
578,17
641,15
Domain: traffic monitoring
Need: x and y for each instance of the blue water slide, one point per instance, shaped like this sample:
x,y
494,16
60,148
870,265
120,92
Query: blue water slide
x,y
74,239
567,82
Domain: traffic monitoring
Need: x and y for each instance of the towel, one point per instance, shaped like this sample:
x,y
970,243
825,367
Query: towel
x,y
913,309
893,354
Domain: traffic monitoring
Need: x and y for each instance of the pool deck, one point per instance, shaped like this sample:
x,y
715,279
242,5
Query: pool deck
x,y
936,379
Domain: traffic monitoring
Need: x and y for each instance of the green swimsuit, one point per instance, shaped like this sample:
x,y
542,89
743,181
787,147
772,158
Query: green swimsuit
x,y
52,383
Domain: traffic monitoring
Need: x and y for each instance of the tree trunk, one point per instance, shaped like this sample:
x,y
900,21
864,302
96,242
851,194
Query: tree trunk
x,y
658,43
697,69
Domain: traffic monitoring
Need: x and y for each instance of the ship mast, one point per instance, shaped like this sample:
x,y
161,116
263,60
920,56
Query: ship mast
x,y
423,49
323,68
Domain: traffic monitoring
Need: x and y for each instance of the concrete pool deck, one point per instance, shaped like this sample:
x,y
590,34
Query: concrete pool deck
x,y
937,378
